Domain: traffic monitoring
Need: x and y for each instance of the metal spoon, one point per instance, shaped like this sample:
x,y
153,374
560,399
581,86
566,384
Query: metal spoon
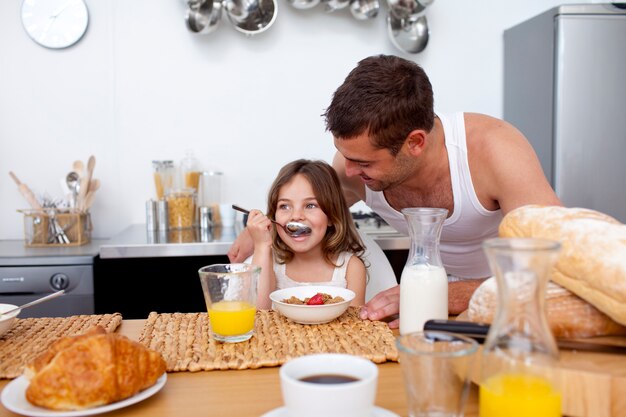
x,y
293,229
35,302
73,183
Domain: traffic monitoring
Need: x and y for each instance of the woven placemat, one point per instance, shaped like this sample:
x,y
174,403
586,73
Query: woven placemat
x,y
30,337
185,342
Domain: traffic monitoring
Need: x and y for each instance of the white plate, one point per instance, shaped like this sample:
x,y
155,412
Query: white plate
x,y
376,412
14,398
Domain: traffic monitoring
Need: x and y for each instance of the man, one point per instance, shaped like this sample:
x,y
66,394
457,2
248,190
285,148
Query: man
x,y
394,152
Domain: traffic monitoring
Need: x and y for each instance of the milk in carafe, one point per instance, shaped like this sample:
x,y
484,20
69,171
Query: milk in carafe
x,y
423,296
424,282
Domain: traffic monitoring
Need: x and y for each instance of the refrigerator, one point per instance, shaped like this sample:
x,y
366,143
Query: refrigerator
x,y
565,90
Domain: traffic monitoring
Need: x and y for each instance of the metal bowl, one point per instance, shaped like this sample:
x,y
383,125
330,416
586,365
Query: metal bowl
x,y
403,9
304,4
332,5
409,35
251,17
204,17
364,9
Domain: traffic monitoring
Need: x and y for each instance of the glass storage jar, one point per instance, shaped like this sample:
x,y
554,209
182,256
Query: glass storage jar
x,y
164,175
181,208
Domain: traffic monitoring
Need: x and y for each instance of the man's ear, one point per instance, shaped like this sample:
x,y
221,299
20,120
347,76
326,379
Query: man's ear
x,y
415,142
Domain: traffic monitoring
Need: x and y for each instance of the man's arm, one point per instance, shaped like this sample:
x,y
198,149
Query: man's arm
x,y
506,174
505,169
242,247
459,294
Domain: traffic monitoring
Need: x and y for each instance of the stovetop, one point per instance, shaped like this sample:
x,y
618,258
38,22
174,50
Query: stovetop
x,y
368,220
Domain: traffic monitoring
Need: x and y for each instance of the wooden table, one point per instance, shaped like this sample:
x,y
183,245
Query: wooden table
x,y
247,393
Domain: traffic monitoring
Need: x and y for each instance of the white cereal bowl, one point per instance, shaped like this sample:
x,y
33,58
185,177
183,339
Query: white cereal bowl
x,y
7,321
305,314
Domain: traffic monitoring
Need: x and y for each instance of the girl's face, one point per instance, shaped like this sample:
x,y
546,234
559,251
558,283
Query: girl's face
x,y
297,202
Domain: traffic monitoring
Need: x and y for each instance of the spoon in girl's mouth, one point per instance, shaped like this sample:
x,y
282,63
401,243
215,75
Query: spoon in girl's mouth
x,y
293,229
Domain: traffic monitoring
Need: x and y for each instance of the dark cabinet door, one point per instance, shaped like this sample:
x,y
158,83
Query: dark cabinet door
x,y
135,287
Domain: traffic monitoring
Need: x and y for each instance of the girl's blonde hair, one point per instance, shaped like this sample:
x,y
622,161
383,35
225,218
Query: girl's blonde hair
x,y
341,235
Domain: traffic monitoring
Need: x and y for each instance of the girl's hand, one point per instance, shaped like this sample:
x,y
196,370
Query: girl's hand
x,y
259,227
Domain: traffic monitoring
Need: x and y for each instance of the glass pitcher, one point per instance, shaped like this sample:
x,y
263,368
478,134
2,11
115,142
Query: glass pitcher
x,y
520,353
424,282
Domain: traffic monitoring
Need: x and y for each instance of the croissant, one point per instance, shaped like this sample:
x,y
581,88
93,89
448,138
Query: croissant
x,y
91,370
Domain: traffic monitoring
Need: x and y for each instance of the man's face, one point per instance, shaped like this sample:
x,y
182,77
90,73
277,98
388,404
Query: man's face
x,y
377,168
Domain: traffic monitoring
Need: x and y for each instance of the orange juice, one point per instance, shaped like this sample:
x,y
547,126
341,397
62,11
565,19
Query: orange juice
x,y
232,318
518,395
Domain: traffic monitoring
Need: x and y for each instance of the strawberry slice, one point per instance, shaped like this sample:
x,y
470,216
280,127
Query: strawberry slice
x,y
316,300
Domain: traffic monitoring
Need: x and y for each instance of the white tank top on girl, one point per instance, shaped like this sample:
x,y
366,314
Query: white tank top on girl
x,y
338,279
470,223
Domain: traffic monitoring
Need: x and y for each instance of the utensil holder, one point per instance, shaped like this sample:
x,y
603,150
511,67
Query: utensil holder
x,y
56,227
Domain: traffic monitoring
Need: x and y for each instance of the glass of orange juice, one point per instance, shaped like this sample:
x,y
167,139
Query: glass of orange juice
x,y
230,292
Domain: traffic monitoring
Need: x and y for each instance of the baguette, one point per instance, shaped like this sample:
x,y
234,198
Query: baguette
x,y
568,315
592,261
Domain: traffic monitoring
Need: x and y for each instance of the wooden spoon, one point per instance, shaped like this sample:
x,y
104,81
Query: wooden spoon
x,y
88,201
26,192
78,167
85,181
94,184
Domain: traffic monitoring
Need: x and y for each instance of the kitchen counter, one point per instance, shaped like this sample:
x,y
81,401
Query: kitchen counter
x,y
15,253
136,242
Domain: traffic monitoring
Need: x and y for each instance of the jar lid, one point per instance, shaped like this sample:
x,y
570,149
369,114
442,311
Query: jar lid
x,y
181,192
164,163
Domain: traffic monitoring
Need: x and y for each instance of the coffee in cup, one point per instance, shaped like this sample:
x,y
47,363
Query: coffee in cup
x,y
340,384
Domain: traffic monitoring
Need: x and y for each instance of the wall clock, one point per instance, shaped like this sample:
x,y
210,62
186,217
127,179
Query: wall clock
x,y
55,24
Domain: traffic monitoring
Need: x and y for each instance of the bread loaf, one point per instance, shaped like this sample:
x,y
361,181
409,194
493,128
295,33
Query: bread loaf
x,y
592,261
568,315
92,370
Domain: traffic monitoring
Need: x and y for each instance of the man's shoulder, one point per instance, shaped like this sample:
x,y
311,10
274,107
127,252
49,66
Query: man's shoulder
x,y
478,123
484,132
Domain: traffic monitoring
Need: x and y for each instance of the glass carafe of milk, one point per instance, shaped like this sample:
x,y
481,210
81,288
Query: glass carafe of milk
x,y
424,282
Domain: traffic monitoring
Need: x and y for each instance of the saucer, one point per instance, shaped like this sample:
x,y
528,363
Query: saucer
x,y
376,412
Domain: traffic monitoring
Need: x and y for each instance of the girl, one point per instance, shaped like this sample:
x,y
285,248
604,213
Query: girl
x,y
307,192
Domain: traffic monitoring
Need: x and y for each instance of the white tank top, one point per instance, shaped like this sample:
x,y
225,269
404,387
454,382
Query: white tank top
x,y
338,279
470,223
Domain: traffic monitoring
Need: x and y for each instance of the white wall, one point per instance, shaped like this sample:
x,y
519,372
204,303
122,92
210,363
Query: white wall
x,y
139,86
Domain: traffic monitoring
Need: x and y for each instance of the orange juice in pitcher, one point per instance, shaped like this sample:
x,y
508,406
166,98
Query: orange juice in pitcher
x,y
519,363
518,395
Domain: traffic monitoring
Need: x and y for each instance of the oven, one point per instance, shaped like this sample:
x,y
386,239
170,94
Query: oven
x,y
28,274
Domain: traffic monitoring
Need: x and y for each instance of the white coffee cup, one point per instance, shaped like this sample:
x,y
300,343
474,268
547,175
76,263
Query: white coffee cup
x,y
311,399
